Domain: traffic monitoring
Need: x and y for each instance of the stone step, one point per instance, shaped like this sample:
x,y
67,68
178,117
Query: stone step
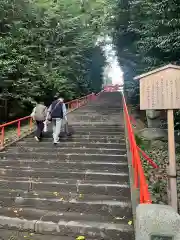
x,y
68,174
21,235
63,157
90,229
95,129
98,112
117,166
104,116
52,149
101,127
98,133
87,140
110,122
33,143
83,136
73,209
94,117
91,120
67,195
98,126
95,133
93,109
94,122
90,114
58,215
94,187
94,112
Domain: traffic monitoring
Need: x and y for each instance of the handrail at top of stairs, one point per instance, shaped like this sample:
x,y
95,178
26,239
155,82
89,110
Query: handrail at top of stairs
x,y
71,105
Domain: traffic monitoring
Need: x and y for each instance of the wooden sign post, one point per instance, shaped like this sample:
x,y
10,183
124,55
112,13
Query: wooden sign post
x,y
160,90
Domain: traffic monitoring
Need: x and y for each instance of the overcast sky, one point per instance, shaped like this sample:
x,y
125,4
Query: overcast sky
x,y
115,72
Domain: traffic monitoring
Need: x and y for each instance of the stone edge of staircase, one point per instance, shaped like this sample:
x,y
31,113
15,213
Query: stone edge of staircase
x,y
134,192
43,227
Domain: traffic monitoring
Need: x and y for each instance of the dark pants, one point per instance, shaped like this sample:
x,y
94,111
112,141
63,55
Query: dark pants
x,y
40,127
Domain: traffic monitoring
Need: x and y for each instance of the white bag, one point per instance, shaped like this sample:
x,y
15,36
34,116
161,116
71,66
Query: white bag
x,y
45,127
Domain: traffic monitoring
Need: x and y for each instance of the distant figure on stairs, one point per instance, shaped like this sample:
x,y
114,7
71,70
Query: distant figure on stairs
x,y
39,114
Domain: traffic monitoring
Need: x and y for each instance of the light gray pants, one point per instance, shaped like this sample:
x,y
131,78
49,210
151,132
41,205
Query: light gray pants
x,y
56,124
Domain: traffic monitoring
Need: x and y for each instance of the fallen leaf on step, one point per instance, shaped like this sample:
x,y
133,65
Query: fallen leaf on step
x,y
55,193
61,199
80,195
80,238
130,223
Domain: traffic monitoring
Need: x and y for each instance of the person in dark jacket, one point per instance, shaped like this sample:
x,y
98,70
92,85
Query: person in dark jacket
x,y
55,112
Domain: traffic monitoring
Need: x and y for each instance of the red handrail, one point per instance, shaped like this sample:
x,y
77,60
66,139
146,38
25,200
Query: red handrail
x,y
138,172
145,156
71,105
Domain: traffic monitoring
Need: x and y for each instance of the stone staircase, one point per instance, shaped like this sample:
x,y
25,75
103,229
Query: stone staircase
x,y
77,188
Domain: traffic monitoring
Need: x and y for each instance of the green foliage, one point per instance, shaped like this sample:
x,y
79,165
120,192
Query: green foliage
x,y
146,34
48,47
143,144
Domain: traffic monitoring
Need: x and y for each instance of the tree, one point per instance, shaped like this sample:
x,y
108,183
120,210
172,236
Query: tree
x,y
48,47
146,35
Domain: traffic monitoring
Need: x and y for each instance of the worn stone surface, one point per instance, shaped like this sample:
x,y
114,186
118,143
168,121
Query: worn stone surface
x,y
20,235
153,118
158,220
79,187
153,134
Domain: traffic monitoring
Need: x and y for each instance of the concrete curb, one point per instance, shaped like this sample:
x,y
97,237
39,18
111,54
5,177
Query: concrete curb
x,y
91,229
133,191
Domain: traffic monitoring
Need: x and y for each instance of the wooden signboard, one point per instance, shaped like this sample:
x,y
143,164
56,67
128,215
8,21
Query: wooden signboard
x,y
160,90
